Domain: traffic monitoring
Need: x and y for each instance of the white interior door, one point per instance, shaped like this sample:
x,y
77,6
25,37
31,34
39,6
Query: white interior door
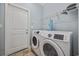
x,y
17,29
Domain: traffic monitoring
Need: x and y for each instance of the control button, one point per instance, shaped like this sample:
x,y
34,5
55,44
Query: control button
x,y
49,35
38,32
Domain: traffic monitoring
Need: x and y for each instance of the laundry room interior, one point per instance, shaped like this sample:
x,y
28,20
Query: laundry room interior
x,y
39,29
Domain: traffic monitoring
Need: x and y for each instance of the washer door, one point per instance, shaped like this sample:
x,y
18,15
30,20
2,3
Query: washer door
x,y
50,48
34,42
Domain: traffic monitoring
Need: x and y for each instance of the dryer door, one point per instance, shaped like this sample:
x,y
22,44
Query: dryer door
x,y
34,42
50,48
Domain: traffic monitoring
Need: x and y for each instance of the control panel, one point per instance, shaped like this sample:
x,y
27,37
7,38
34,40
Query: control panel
x,y
58,36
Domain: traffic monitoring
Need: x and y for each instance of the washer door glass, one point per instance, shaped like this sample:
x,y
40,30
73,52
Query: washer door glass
x,y
49,50
34,40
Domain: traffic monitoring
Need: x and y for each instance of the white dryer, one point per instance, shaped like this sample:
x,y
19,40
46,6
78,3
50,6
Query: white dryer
x,y
55,43
35,41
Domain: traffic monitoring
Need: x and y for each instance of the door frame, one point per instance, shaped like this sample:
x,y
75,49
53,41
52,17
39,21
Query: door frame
x,y
78,27
6,17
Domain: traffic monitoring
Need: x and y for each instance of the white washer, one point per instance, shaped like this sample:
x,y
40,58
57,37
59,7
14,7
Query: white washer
x,y
35,41
55,43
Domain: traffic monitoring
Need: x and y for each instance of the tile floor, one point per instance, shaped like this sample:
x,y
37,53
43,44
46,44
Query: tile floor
x,y
24,52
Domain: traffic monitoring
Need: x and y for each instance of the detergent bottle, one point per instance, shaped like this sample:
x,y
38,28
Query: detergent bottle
x,y
50,25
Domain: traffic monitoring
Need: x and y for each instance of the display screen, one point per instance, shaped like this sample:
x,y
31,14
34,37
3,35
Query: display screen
x,y
58,36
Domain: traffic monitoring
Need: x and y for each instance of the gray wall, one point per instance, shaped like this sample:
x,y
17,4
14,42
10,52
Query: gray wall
x,y
2,34
62,22
50,9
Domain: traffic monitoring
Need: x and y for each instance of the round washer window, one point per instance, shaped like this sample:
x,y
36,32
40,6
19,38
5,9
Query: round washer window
x,y
34,40
49,50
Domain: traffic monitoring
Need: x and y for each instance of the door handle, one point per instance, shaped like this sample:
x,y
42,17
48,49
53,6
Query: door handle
x,y
26,32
